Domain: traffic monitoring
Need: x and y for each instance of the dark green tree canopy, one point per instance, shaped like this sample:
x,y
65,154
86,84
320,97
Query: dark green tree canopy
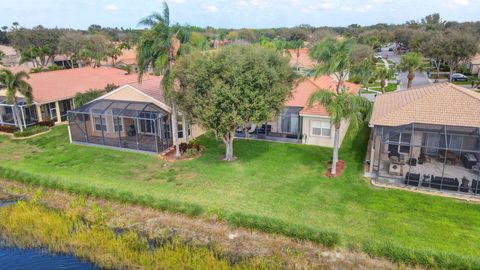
x,y
234,86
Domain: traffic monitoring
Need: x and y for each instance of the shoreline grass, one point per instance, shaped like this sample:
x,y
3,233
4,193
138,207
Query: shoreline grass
x,y
29,225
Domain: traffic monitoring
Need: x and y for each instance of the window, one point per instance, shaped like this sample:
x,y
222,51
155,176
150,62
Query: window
x,y
400,143
99,123
321,128
117,124
147,124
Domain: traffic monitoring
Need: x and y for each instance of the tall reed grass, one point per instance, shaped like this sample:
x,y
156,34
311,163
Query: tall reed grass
x,y
30,225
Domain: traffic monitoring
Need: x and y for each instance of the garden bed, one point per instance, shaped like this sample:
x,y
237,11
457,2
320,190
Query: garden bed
x,y
340,168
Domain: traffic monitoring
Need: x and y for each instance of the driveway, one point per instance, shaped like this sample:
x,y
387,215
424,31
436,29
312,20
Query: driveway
x,y
420,78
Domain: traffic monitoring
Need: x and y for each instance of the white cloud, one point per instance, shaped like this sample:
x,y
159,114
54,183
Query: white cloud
x,y
178,1
111,7
454,3
211,8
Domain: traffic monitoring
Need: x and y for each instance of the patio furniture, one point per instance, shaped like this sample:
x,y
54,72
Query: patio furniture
x,y
131,131
445,183
476,168
397,159
464,186
412,179
263,128
469,160
412,162
448,156
476,186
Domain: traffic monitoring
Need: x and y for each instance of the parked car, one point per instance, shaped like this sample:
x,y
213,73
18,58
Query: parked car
x,y
390,49
457,77
378,57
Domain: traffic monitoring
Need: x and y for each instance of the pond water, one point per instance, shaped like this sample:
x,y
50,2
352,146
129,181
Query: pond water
x,y
13,258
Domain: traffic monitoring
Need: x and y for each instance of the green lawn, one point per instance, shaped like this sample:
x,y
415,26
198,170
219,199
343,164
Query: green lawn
x,y
282,181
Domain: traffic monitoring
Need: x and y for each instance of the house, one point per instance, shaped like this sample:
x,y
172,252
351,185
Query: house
x,y
300,60
53,92
427,137
474,65
135,116
299,123
11,57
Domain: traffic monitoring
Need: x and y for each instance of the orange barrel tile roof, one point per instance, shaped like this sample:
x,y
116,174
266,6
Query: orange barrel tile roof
x,y
63,84
301,93
438,104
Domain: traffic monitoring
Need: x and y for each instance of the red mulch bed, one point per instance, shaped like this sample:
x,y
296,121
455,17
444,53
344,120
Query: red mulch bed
x,y
169,155
340,168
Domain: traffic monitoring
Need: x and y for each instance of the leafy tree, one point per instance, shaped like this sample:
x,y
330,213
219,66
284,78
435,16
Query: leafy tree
x,y
343,106
383,74
70,44
234,86
365,72
158,49
433,22
433,48
113,52
458,48
334,58
411,62
2,54
14,84
81,99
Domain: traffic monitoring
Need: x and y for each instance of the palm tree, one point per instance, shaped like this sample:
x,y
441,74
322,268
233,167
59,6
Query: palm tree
x,y
411,62
365,71
383,74
334,58
158,48
14,83
341,107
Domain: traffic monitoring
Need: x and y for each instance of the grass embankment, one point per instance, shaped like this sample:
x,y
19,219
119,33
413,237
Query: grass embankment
x,y
270,184
29,225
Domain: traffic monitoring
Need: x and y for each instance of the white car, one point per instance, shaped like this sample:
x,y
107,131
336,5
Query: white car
x,y
378,57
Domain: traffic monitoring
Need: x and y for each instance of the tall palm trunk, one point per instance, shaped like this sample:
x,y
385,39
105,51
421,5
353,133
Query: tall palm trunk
x,y
336,142
17,115
185,128
382,85
410,77
175,129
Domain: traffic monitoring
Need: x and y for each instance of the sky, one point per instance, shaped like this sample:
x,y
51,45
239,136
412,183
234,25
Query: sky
x,y
79,14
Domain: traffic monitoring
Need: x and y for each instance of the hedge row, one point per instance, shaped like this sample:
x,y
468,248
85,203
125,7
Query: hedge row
x,y
30,131
428,258
110,194
276,226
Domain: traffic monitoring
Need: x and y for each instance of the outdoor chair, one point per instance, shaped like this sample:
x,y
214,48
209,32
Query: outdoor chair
x,y
464,186
412,179
476,186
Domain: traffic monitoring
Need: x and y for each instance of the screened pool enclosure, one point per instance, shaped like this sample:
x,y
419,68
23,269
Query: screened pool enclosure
x,y
444,158
28,115
130,125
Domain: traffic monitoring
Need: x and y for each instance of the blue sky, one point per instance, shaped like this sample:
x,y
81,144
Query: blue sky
x,y
229,13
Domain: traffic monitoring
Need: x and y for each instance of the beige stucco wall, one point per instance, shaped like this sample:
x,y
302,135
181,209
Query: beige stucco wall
x,y
320,140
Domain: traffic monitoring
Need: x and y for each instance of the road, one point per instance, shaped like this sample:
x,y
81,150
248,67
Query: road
x,y
420,78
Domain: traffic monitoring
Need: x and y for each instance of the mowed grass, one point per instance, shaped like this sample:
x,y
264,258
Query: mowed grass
x,y
281,181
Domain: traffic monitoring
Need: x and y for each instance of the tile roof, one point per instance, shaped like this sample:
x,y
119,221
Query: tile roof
x,y
302,59
301,93
63,84
438,104
151,87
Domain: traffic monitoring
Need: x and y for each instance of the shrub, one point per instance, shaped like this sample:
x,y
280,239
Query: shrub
x,y
48,123
30,131
82,98
270,225
191,152
8,129
183,147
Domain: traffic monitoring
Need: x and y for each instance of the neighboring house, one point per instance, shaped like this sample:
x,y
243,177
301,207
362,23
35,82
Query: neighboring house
x,y
11,58
53,92
474,65
300,60
299,123
427,137
135,116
